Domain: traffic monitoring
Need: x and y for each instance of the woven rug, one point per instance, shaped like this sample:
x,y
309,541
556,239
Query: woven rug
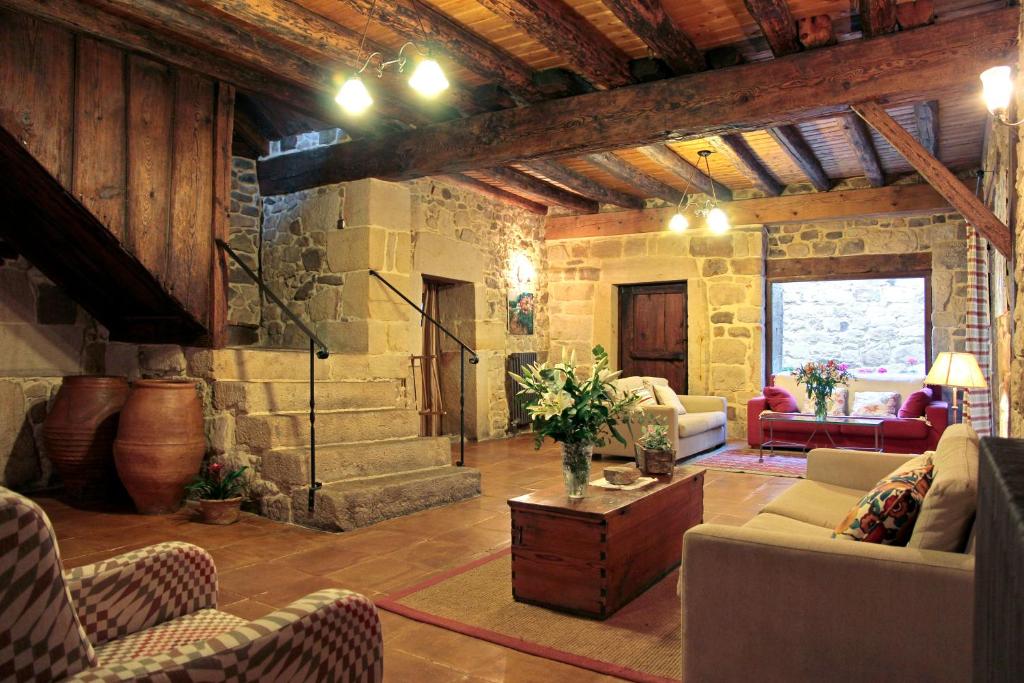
x,y
782,464
641,642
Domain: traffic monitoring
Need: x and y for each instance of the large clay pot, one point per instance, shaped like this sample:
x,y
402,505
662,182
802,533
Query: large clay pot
x,y
160,443
79,432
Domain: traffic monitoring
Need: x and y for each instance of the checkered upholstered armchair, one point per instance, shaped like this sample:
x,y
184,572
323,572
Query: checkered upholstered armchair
x,y
150,615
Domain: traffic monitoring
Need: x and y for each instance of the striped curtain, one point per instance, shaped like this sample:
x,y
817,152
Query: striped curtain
x,y
978,403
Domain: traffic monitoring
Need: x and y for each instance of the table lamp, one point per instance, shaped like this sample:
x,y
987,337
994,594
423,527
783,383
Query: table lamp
x,y
958,371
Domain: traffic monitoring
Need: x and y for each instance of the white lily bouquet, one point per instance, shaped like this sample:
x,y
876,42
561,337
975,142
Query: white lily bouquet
x,y
572,410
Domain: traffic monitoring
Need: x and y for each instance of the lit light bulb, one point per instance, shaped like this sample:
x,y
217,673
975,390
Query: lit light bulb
x,y
718,222
353,96
678,222
997,86
428,79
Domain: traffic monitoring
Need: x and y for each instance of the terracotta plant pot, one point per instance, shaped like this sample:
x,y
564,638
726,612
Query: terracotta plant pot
x,y
160,443
79,432
220,511
657,462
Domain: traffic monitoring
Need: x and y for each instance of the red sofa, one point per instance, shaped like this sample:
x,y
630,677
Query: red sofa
x,y
902,435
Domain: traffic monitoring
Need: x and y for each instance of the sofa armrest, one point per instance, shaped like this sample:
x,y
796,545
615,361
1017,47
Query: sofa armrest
x,y
330,635
851,469
703,404
142,588
755,407
809,608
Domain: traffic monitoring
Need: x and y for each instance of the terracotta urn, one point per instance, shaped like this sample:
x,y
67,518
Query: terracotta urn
x,y
224,511
160,443
79,431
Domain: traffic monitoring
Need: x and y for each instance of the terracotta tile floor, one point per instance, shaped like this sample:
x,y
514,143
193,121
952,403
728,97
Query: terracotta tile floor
x,y
263,565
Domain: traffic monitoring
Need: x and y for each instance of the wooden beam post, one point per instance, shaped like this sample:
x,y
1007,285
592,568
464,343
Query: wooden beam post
x,y
894,200
653,25
581,184
495,192
540,190
743,157
859,137
938,176
777,24
900,68
793,143
645,184
877,17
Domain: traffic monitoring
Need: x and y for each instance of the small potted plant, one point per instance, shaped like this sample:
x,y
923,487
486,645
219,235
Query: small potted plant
x,y
219,492
655,455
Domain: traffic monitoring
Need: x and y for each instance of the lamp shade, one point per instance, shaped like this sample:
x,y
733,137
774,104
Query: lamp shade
x,y
953,369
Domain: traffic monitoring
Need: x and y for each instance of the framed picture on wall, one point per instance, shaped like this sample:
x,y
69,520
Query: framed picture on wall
x,y
520,312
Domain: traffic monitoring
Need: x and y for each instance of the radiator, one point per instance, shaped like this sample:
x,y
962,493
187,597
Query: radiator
x,y
518,417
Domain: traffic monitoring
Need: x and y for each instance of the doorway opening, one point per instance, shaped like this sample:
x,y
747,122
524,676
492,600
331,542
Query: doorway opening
x,y
436,368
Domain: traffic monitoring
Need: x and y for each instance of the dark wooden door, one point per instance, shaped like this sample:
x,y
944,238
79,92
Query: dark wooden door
x,y
652,332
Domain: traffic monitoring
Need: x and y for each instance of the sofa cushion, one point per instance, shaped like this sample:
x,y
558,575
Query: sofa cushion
x,y
767,521
886,514
813,502
698,423
875,403
838,402
948,510
667,397
780,400
916,403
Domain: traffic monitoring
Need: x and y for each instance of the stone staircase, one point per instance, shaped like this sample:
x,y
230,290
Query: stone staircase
x,y
371,461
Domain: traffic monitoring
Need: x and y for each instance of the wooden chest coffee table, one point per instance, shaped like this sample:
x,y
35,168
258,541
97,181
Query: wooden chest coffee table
x,y
592,556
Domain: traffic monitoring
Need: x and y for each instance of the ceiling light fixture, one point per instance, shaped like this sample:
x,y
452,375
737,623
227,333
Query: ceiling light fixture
x,y
427,78
716,219
997,89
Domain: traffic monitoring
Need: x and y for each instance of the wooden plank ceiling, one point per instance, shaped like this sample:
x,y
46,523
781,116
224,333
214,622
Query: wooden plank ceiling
x,y
508,53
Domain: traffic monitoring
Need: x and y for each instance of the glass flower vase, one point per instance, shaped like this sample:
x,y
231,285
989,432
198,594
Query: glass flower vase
x,y
821,408
576,468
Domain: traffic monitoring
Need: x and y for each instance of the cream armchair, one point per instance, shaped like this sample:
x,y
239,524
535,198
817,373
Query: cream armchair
x,y
703,426
780,600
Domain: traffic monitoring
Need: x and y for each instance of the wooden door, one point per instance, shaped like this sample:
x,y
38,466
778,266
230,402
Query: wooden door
x,y
652,332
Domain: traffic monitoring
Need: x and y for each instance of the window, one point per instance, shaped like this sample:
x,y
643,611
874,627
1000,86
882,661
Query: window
x,y
879,327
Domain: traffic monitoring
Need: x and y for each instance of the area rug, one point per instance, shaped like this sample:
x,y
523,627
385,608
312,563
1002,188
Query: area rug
x,y
746,460
641,642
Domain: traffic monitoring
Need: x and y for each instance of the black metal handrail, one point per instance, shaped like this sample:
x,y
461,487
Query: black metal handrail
x,y
317,348
474,358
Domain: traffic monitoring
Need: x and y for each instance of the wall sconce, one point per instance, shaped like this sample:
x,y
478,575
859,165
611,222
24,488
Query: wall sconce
x,y
522,270
997,89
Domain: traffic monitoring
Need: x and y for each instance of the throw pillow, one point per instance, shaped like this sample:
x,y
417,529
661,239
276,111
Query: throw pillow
x,y
875,403
780,400
646,396
886,514
837,402
916,403
667,397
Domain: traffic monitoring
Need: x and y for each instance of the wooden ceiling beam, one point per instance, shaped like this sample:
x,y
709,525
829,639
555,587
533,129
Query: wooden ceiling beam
x,y
926,114
817,31
662,155
581,184
746,160
859,137
557,82
534,188
793,143
877,17
938,176
894,200
495,192
411,19
777,24
646,185
653,25
903,67
563,31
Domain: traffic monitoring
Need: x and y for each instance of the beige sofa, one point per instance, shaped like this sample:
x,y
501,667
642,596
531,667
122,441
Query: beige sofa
x,y
779,599
703,426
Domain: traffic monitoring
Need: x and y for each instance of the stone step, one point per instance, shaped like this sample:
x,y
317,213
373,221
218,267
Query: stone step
x,y
263,431
271,396
355,503
289,467
273,364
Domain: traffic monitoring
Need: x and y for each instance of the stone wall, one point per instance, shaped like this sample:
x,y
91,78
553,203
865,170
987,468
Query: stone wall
x,y
942,235
244,237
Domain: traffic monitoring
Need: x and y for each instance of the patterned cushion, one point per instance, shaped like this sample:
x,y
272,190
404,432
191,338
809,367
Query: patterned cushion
x,y
837,403
191,628
667,397
875,403
886,514
646,396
